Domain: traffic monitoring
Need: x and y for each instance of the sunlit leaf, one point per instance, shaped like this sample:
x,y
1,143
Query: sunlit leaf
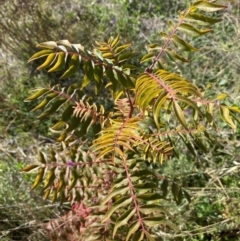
x,y
60,63
208,6
41,54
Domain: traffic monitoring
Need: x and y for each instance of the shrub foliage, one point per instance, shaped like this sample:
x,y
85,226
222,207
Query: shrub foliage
x,y
107,162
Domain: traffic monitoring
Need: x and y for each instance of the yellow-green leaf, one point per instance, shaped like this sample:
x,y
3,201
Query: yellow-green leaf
x,y
207,6
123,219
29,168
147,57
201,19
50,178
225,114
179,114
182,44
60,64
189,29
115,41
49,61
73,66
37,94
41,54
122,202
39,177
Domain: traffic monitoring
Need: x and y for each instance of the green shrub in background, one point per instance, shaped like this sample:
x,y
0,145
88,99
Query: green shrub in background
x,y
110,164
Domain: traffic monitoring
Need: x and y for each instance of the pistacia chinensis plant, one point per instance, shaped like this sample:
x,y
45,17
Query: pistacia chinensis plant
x,y
118,126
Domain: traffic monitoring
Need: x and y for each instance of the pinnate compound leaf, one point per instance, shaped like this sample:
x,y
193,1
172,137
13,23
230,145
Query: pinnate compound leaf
x,y
73,66
41,54
39,93
123,219
207,6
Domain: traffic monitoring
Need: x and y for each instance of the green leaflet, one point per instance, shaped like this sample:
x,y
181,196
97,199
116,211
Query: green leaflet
x,y
149,196
138,236
73,66
182,44
49,61
201,19
179,114
125,56
208,6
41,157
132,229
46,101
153,221
122,202
55,106
39,177
68,112
60,64
121,48
117,191
123,219
164,187
147,57
152,208
41,54
50,178
189,29
39,93
225,114
115,41
174,56
29,168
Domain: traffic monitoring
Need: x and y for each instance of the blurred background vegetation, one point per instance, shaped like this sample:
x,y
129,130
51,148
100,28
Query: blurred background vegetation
x,y
212,179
